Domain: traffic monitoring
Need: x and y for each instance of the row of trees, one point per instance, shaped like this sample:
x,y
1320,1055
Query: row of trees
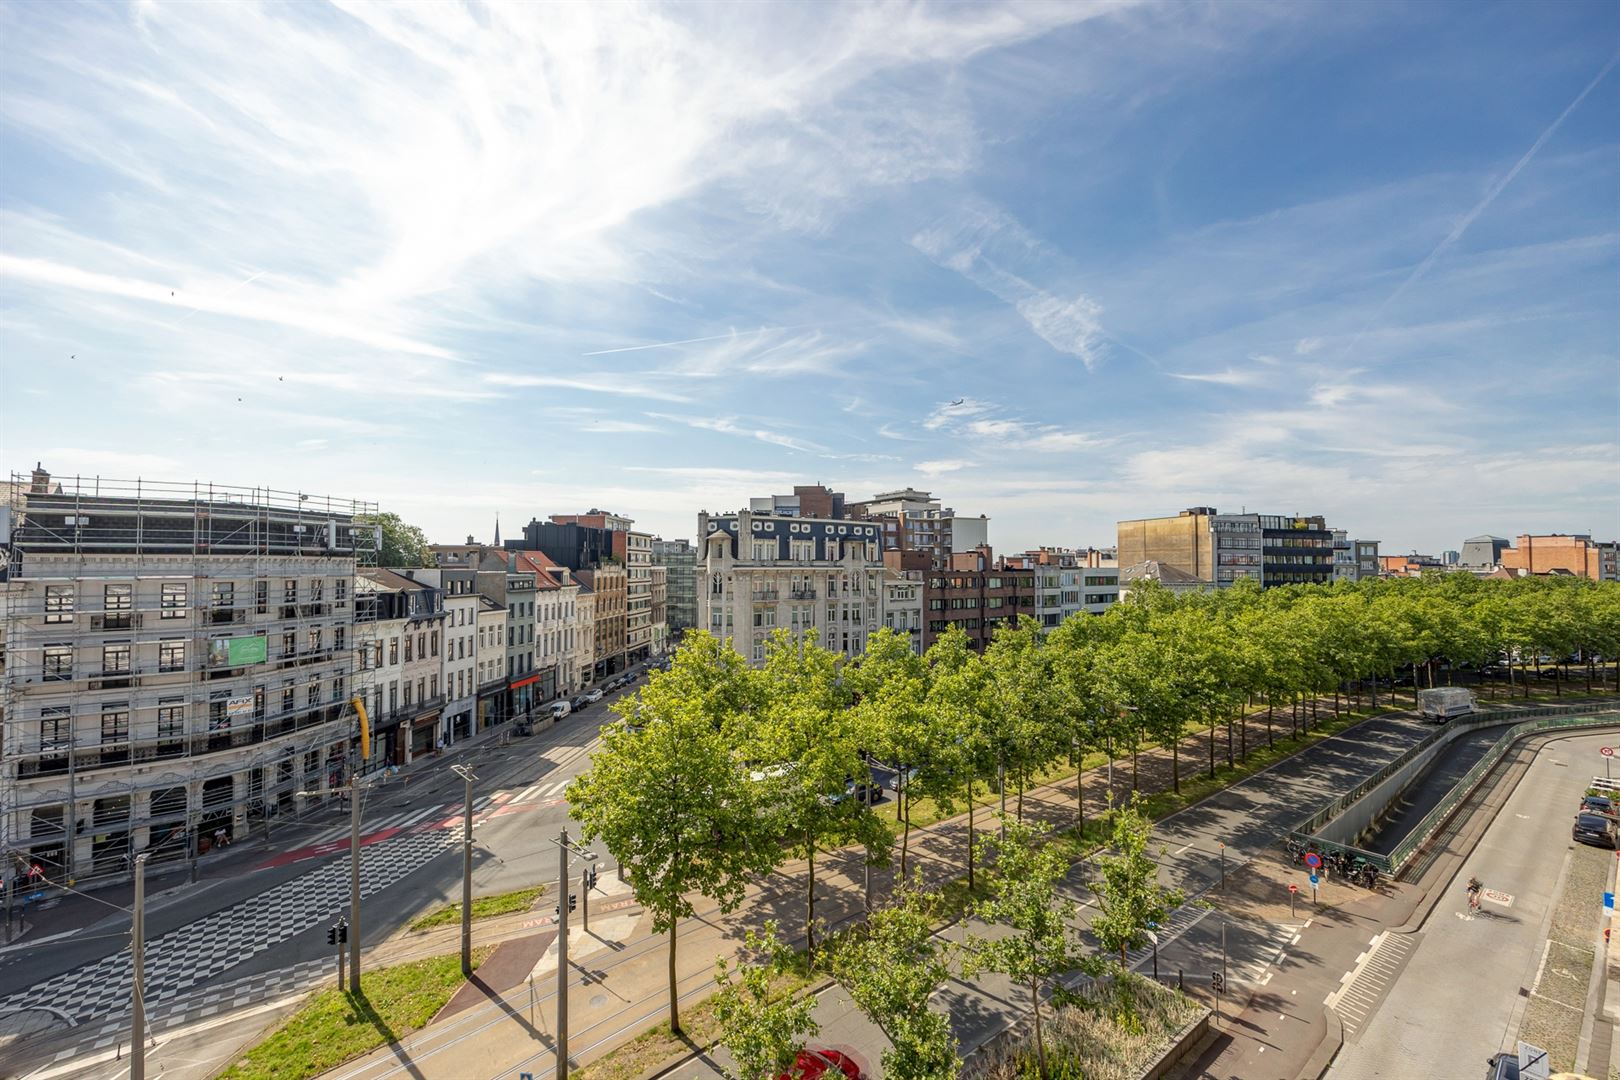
x,y
716,773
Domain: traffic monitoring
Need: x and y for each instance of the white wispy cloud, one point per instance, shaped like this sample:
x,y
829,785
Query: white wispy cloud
x,y
605,383
985,245
941,466
728,425
1229,377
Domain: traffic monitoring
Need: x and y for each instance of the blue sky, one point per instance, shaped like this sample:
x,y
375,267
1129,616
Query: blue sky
x,y
1351,259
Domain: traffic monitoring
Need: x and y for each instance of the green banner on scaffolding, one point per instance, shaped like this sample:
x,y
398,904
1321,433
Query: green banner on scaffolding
x,y
237,652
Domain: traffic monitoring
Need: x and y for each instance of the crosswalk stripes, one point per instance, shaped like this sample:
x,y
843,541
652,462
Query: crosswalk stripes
x,y
1365,985
1278,937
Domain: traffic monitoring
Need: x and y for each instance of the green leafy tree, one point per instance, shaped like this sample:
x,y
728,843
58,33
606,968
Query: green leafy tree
x,y
1130,900
764,1031
1025,703
891,967
1024,898
402,544
809,740
891,682
667,796
958,702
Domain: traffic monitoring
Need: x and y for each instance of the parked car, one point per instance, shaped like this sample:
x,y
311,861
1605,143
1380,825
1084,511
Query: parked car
x,y
1598,804
594,694
1599,830
814,1064
578,702
558,709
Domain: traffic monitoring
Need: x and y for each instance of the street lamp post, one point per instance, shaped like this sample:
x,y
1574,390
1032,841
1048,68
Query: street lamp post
x,y
354,790
466,774
565,848
137,953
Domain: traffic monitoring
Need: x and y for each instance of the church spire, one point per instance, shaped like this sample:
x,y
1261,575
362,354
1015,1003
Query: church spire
x,y
497,530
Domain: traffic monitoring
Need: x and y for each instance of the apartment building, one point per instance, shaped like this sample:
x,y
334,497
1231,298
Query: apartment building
x,y
498,578
679,558
638,586
1353,560
582,657
1270,549
412,613
807,500
608,622
903,605
1573,553
459,670
915,520
179,661
556,624
764,571
978,593
660,609
1068,582
490,643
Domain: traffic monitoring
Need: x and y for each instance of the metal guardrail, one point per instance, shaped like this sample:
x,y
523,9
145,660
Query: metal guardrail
x,y
1434,819
1305,832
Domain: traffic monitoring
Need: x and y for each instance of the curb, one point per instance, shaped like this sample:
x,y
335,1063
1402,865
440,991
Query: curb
x,y
1328,1049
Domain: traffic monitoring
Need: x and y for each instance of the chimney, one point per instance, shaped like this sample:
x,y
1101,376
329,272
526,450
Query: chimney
x,y
40,482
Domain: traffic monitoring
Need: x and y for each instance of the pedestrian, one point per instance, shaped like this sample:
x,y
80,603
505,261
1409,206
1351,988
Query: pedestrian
x,y
220,839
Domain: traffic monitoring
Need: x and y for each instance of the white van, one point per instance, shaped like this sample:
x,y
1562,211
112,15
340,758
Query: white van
x,y
559,709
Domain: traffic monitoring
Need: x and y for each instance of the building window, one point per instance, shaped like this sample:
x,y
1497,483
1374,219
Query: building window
x,y
58,662
115,658
172,600
317,589
59,603
224,594
289,643
434,639
171,656
289,591
115,723
312,693
314,637
171,722
340,589
55,725
407,648
340,637
287,702
117,601
393,651
261,596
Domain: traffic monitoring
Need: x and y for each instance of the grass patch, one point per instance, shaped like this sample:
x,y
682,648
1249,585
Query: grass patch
x,y
333,1026
658,1044
483,907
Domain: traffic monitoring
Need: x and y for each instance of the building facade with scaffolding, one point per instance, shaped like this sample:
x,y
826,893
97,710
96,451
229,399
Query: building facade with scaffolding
x,y
179,661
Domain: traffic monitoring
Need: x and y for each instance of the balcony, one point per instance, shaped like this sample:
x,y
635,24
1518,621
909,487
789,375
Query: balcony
x,y
802,594
766,596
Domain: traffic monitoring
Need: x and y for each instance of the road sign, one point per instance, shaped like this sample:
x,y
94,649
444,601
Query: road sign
x,y
1313,860
1293,888
1606,751
1315,880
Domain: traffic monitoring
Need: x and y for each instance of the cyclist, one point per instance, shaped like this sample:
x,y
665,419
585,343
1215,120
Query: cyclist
x,y
1475,887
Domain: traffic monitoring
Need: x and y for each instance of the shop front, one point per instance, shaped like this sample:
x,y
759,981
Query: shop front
x,y
424,734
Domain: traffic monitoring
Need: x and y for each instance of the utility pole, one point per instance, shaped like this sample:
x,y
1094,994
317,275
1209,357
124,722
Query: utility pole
x,y
466,774
353,790
137,953
562,956
565,848
354,884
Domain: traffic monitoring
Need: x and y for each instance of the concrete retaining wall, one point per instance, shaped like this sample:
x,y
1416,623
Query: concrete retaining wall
x,y
1362,814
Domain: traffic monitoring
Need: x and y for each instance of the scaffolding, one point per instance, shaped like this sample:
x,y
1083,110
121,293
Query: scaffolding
x,y
176,662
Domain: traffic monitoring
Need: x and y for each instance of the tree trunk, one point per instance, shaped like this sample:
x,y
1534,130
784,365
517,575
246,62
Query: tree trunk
x,y
1271,738
1134,764
1175,765
1040,1046
1023,782
1001,782
1375,693
972,809
1230,764
1212,746
674,997
810,901
1335,703
904,799
1243,734
1079,790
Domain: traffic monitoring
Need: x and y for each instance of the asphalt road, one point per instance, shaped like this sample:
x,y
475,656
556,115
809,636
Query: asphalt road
x,y
1463,991
77,948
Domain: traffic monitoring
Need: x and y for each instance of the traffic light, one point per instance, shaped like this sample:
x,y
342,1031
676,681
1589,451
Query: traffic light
x,y
590,878
573,902
1218,981
338,933
331,935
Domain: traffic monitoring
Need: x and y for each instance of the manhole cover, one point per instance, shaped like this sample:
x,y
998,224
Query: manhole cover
x,y
598,1000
